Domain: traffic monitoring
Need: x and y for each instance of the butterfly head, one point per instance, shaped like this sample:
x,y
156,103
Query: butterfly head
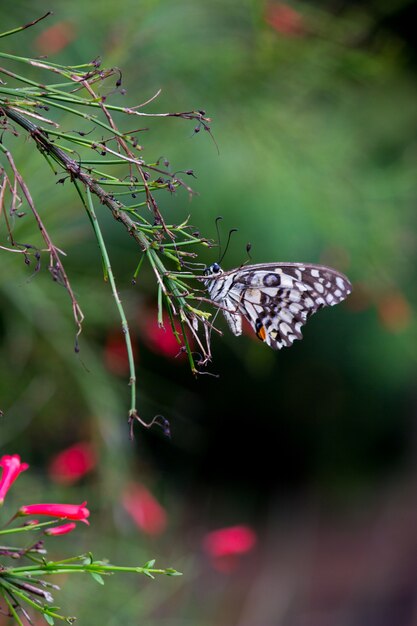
x,y
213,270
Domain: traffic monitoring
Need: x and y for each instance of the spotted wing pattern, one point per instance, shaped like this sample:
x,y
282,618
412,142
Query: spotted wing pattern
x,y
276,298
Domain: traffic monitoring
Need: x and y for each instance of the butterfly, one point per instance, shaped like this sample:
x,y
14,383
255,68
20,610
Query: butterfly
x,y
276,298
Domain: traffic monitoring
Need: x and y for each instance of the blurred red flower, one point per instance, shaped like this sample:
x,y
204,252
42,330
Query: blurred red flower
x,y
55,38
284,19
77,512
231,540
71,464
115,353
60,530
12,467
144,509
160,340
226,545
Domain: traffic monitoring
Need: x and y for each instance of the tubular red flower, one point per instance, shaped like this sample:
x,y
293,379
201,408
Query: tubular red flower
x,y
12,467
60,530
65,511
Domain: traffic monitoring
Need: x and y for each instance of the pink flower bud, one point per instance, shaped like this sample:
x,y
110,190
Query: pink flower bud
x,y
65,511
12,467
60,530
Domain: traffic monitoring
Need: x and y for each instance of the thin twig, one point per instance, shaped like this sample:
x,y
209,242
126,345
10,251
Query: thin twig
x,y
56,267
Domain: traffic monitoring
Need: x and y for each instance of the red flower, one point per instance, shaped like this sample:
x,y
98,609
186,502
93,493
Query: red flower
x,y
55,38
285,20
231,540
12,467
71,464
60,530
160,339
115,353
66,511
225,545
144,509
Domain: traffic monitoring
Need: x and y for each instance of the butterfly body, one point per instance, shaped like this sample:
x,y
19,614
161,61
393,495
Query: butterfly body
x,y
275,298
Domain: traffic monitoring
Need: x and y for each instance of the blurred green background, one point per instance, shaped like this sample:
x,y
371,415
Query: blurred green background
x,y
314,113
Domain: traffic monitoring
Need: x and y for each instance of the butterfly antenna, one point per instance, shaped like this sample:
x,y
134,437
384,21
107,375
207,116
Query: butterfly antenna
x,y
219,243
233,230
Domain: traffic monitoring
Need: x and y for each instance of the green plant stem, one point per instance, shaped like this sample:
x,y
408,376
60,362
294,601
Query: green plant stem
x,y
125,327
97,568
11,608
28,528
20,28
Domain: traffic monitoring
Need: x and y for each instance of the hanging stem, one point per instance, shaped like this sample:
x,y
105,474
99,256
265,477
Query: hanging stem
x,y
109,273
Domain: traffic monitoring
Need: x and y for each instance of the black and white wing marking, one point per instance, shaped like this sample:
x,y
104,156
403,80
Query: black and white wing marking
x,y
276,298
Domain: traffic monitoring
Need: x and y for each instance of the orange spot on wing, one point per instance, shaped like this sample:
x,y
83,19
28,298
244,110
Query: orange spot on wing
x,y
262,333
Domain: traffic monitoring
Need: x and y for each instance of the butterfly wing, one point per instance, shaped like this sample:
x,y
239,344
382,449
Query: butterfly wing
x,y
278,298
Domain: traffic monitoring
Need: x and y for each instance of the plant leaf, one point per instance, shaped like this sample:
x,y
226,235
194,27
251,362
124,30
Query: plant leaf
x,y
97,578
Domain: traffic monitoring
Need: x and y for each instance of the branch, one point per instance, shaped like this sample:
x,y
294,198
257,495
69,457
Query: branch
x,y
74,170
